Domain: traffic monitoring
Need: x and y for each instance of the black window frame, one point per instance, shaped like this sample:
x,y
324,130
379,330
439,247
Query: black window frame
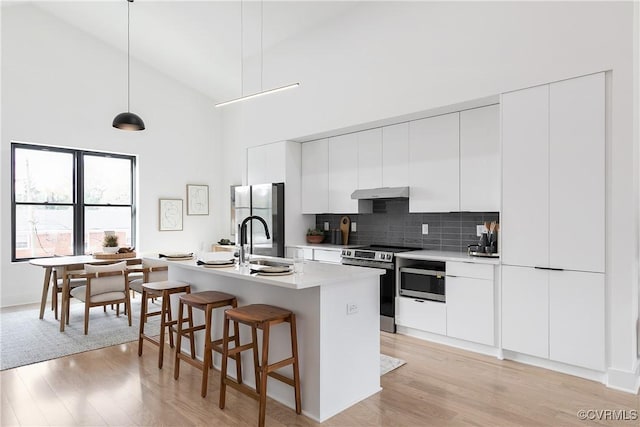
x,y
77,203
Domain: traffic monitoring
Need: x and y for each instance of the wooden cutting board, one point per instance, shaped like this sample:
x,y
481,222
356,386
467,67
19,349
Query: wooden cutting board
x,y
345,225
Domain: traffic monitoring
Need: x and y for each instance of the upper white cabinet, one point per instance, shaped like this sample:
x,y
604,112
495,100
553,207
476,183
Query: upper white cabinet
x,y
480,159
266,163
395,155
577,174
434,164
343,173
524,223
553,175
369,158
315,177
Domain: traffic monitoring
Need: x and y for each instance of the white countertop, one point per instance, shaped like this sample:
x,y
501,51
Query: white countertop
x,y
432,255
315,273
326,246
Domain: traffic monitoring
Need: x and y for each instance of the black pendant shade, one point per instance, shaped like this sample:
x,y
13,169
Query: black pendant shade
x,y
128,121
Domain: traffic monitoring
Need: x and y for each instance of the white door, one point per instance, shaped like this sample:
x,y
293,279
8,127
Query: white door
x,y
576,318
524,220
480,159
343,173
470,309
525,310
370,158
434,164
395,155
577,174
315,177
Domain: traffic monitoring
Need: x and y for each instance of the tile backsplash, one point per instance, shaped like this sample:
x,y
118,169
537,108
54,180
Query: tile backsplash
x,y
392,224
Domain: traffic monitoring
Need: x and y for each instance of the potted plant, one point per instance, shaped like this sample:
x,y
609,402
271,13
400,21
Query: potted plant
x,y
110,244
315,235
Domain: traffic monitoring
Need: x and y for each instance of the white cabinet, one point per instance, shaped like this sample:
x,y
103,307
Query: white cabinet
x,y
266,163
525,310
552,314
524,222
369,158
315,177
420,314
434,164
576,318
470,307
480,159
576,174
553,175
343,173
395,155
327,255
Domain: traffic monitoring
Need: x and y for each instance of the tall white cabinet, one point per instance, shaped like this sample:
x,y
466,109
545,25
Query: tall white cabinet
x,y
552,221
343,173
369,158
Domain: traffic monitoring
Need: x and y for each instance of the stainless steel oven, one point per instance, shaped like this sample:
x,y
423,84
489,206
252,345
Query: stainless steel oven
x,y
379,257
424,280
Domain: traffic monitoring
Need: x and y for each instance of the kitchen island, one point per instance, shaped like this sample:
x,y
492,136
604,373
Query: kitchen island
x,y
337,315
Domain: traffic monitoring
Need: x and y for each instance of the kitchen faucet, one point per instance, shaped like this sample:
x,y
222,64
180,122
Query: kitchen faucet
x,y
243,235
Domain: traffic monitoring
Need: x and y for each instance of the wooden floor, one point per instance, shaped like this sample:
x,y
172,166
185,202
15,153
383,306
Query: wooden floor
x,y
438,386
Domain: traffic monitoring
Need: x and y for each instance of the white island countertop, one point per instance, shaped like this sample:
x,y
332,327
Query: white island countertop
x,y
314,273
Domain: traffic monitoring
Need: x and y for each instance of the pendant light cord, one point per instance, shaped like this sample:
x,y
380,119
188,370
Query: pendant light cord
x,y
261,47
128,60
241,48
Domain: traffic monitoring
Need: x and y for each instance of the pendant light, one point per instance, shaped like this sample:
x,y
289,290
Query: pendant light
x,y
261,92
128,120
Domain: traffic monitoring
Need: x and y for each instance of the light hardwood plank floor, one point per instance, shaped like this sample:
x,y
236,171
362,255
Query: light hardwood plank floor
x,y
439,386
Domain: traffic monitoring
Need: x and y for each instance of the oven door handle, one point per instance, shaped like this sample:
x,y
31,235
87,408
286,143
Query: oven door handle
x,y
386,265
422,271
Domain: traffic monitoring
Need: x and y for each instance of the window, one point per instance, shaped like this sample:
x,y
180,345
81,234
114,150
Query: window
x,y
63,200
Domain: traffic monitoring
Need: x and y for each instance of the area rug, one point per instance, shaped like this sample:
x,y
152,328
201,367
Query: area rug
x,y
25,339
388,364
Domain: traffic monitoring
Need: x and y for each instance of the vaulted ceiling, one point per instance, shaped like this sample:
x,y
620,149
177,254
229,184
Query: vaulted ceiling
x,y
197,42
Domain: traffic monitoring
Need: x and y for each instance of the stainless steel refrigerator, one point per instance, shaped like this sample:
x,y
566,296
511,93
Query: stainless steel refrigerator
x,y
266,201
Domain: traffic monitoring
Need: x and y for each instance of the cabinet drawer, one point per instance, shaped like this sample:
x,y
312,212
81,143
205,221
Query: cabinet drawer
x,y
324,255
469,269
423,315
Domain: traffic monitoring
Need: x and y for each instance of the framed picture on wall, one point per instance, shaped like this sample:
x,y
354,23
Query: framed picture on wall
x,y
197,199
170,214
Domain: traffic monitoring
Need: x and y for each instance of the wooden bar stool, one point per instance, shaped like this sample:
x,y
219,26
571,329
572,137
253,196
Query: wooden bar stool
x,y
162,290
207,301
260,316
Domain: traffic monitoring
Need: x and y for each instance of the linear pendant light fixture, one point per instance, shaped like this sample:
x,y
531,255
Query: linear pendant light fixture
x,y
261,92
128,120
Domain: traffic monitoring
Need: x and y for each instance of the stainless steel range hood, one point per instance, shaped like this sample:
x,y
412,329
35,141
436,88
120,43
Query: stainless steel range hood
x,y
381,193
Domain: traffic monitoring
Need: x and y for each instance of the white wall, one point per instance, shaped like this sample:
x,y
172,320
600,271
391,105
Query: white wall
x,y
62,87
388,59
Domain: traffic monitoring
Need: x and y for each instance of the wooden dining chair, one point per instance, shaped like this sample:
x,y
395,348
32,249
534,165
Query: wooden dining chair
x,y
57,277
106,284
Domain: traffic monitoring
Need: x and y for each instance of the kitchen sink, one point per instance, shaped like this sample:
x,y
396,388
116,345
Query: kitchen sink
x,y
270,263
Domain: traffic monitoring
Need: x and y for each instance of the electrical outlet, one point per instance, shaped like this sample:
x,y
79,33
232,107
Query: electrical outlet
x,y
479,230
425,228
352,308
326,226
353,227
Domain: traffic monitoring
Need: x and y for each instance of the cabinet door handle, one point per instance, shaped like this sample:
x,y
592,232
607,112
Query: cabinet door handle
x,y
418,300
549,268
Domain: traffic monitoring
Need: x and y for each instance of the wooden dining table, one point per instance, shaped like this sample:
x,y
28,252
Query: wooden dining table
x,y
63,263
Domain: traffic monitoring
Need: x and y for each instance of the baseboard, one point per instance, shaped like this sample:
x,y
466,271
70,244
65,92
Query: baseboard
x,y
576,371
451,342
626,381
